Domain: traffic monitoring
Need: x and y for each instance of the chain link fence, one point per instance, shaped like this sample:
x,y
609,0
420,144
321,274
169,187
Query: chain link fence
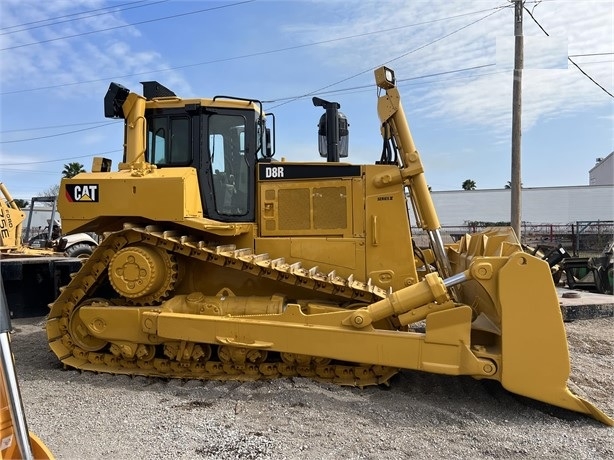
x,y
581,238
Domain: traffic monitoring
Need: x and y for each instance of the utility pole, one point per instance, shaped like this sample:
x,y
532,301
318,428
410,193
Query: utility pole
x,y
515,182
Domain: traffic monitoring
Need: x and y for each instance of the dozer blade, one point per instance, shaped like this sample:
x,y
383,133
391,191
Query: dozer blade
x,y
534,352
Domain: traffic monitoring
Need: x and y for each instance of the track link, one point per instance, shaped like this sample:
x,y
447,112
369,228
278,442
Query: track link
x,y
93,272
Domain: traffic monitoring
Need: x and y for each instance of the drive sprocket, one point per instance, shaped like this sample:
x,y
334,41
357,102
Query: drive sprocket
x,y
143,274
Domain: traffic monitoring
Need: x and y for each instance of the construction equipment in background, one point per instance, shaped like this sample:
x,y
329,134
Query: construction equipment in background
x,y
219,262
35,269
50,242
72,245
16,442
553,257
11,220
593,274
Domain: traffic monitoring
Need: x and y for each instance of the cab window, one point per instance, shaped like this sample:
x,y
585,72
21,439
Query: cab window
x,y
230,169
168,141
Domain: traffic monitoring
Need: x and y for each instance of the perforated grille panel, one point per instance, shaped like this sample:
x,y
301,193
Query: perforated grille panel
x,y
302,208
329,207
294,209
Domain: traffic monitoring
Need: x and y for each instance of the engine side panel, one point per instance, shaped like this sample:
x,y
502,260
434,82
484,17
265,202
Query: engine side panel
x,y
334,216
170,194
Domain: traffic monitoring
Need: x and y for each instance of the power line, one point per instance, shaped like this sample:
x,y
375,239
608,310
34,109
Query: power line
x,y
569,58
58,159
597,62
590,78
51,127
336,91
34,171
348,90
65,16
590,54
497,9
127,25
402,83
99,12
260,53
370,86
57,135
288,100
341,90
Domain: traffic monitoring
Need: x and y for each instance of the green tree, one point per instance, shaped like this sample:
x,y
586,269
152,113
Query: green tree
x,y
72,169
22,203
469,185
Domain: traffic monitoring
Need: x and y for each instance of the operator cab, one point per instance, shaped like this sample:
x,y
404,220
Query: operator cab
x,y
225,159
222,138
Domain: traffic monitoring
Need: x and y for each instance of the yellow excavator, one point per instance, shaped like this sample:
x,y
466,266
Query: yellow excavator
x,y
16,442
219,262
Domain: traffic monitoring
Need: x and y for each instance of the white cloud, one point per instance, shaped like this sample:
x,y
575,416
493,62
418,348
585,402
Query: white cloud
x,y
60,61
574,28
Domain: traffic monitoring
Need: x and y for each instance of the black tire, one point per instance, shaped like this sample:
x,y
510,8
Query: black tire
x,y
81,250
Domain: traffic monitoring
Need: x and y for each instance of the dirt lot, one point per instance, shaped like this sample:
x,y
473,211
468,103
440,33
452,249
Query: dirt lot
x,y
422,416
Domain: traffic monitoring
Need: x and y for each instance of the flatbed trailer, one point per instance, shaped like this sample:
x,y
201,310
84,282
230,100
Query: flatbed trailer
x,y
31,283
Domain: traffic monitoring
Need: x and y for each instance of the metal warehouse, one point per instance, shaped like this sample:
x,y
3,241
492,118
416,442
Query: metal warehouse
x,y
552,205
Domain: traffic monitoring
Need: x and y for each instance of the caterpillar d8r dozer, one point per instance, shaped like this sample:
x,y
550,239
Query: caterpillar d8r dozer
x,y
220,263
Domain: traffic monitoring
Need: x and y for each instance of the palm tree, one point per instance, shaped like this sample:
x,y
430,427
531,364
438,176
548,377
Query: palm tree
x,y
72,169
469,185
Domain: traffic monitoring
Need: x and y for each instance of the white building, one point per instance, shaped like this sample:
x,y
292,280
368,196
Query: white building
x,y
540,205
551,205
603,172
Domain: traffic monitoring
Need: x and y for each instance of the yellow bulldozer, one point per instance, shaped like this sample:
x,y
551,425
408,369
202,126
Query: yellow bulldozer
x,y
219,262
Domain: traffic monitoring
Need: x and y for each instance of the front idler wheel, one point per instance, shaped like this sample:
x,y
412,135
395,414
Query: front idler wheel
x,y
78,330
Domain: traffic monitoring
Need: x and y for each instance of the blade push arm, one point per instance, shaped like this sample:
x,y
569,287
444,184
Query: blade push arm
x,y
395,130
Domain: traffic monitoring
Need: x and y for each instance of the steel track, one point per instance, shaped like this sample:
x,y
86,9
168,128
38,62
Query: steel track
x,y
94,271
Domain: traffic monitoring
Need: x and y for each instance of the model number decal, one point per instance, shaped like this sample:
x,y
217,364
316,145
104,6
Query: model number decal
x,y
281,171
274,172
82,193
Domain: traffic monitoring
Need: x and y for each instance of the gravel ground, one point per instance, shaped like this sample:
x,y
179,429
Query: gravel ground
x,y
422,416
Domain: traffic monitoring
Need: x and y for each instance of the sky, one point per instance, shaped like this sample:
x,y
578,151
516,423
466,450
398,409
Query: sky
x,y
453,62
